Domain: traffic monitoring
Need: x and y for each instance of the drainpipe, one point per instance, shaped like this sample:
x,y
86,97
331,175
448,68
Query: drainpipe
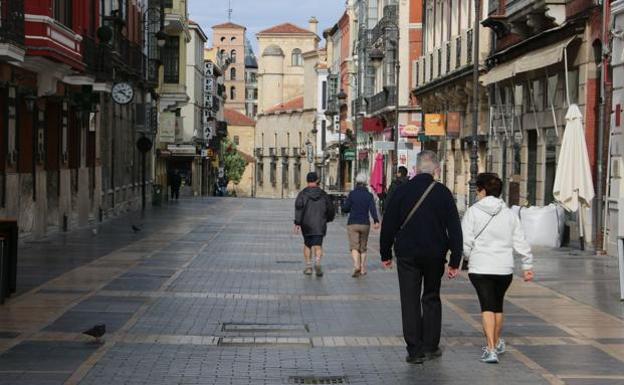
x,y
602,127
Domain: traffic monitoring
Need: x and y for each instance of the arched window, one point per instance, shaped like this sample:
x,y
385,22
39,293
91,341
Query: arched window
x,y
233,55
233,39
232,93
297,57
222,39
232,73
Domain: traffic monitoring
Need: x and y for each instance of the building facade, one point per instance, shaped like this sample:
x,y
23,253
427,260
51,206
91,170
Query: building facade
x,y
229,40
68,153
214,116
529,98
283,125
615,164
442,80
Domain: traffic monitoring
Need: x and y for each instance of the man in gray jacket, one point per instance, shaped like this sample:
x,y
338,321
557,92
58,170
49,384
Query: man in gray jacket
x,y
313,210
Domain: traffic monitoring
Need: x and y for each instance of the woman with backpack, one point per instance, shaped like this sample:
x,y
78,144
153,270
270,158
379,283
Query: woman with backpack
x,y
492,232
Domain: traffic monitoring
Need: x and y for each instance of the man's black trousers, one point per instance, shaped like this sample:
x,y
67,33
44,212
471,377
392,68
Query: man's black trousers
x,y
421,308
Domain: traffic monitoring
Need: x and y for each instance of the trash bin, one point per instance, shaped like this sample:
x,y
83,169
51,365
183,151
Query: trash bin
x,y
8,275
156,194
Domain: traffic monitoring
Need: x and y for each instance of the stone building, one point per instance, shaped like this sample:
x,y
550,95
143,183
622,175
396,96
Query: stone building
x,y
229,40
284,124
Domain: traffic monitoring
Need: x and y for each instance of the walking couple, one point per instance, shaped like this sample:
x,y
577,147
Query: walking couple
x,y
313,209
421,223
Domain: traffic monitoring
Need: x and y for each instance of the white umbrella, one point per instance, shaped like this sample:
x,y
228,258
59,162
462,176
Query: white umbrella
x,y
574,187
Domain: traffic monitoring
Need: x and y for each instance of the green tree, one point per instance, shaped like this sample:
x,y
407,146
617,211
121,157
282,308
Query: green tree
x,y
235,164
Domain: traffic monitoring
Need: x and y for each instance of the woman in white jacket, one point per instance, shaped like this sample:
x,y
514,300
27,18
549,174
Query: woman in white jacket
x,y
492,232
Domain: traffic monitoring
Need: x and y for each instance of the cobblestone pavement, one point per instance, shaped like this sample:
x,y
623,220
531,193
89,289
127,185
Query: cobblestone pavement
x,y
211,292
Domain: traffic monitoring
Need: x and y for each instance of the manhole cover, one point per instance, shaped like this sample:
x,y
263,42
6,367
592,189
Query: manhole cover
x,y
317,380
263,328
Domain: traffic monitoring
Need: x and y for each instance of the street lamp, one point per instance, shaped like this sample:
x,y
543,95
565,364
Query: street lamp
x,y
377,56
474,154
161,38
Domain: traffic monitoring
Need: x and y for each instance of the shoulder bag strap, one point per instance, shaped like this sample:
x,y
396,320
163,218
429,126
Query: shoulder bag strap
x,y
417,205
485,227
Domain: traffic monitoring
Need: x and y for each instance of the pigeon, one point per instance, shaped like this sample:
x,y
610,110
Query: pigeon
x,y
135,228
96,332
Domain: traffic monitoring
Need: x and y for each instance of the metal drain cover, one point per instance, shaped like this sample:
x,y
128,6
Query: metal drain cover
x,y
287,261
318,380
264,328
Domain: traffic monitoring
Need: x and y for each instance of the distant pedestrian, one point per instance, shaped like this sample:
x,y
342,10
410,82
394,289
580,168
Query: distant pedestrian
x,y
422,223
360,204
313,210
401,178
176,183
492,232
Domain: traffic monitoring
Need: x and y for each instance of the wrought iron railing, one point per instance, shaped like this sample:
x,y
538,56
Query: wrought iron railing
x,y
448,57
381,100
12,21
457,51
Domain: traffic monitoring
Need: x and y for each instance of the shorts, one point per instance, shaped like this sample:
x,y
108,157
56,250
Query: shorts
x,y
491,290
313,240
358,237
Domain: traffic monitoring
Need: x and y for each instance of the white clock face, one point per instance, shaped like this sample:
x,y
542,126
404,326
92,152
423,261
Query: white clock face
x,y
122,93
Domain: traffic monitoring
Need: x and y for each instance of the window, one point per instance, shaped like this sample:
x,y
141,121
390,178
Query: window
x,y
171,59
233,55
255,93
222,39
260,172
297,175
236,140
573,85
324,96
232,73
297,58
168,3
273,173
233,39
63,12
232,93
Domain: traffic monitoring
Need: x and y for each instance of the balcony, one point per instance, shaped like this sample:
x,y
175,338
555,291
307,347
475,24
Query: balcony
x,y
296,152
383,101
358,105
130,57
12,30
259,152
273,152
284,152
452,56
390,15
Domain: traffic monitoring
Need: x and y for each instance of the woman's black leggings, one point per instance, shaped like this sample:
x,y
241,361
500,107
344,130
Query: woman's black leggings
x,y
491,290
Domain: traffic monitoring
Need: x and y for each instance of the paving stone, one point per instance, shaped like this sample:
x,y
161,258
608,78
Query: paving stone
x,y
580,360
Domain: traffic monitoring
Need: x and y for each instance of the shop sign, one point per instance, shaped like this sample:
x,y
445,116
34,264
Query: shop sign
x,y
348,154
167,127
453,124
409,130
434,124
182,150
373,125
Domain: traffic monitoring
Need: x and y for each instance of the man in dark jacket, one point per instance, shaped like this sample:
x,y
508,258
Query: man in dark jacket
x,y
313,209
421,246
176,183
401,178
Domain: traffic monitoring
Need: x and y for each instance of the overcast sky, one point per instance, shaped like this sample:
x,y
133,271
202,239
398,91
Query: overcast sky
x,y
257,15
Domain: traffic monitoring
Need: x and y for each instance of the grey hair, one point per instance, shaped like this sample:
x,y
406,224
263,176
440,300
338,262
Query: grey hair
x,y
427,162
361,179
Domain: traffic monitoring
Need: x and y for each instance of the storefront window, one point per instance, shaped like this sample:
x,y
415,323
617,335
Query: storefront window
x,y
551,164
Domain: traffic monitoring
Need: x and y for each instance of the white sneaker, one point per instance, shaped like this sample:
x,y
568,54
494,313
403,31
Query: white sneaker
x,y
489,356
501,347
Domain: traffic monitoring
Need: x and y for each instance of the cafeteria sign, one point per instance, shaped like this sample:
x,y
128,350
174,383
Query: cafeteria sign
x,y
409,130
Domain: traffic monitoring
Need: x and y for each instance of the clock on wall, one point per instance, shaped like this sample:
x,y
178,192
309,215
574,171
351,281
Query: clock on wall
x,y
122,93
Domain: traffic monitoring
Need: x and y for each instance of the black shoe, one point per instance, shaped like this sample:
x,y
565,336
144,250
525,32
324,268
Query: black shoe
x,y
433,355
415,359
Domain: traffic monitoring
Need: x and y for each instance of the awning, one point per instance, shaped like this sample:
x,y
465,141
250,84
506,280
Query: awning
x,y
540,58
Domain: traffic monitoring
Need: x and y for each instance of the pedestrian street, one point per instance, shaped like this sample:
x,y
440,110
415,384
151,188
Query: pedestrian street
x,y
211,291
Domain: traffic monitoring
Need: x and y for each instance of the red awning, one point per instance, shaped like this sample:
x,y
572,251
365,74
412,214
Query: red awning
x,y
372,125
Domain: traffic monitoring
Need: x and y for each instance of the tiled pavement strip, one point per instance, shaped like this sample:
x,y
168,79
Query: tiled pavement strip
x,y
211,292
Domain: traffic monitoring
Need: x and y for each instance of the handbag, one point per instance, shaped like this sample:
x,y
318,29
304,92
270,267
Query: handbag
x,y
417,205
